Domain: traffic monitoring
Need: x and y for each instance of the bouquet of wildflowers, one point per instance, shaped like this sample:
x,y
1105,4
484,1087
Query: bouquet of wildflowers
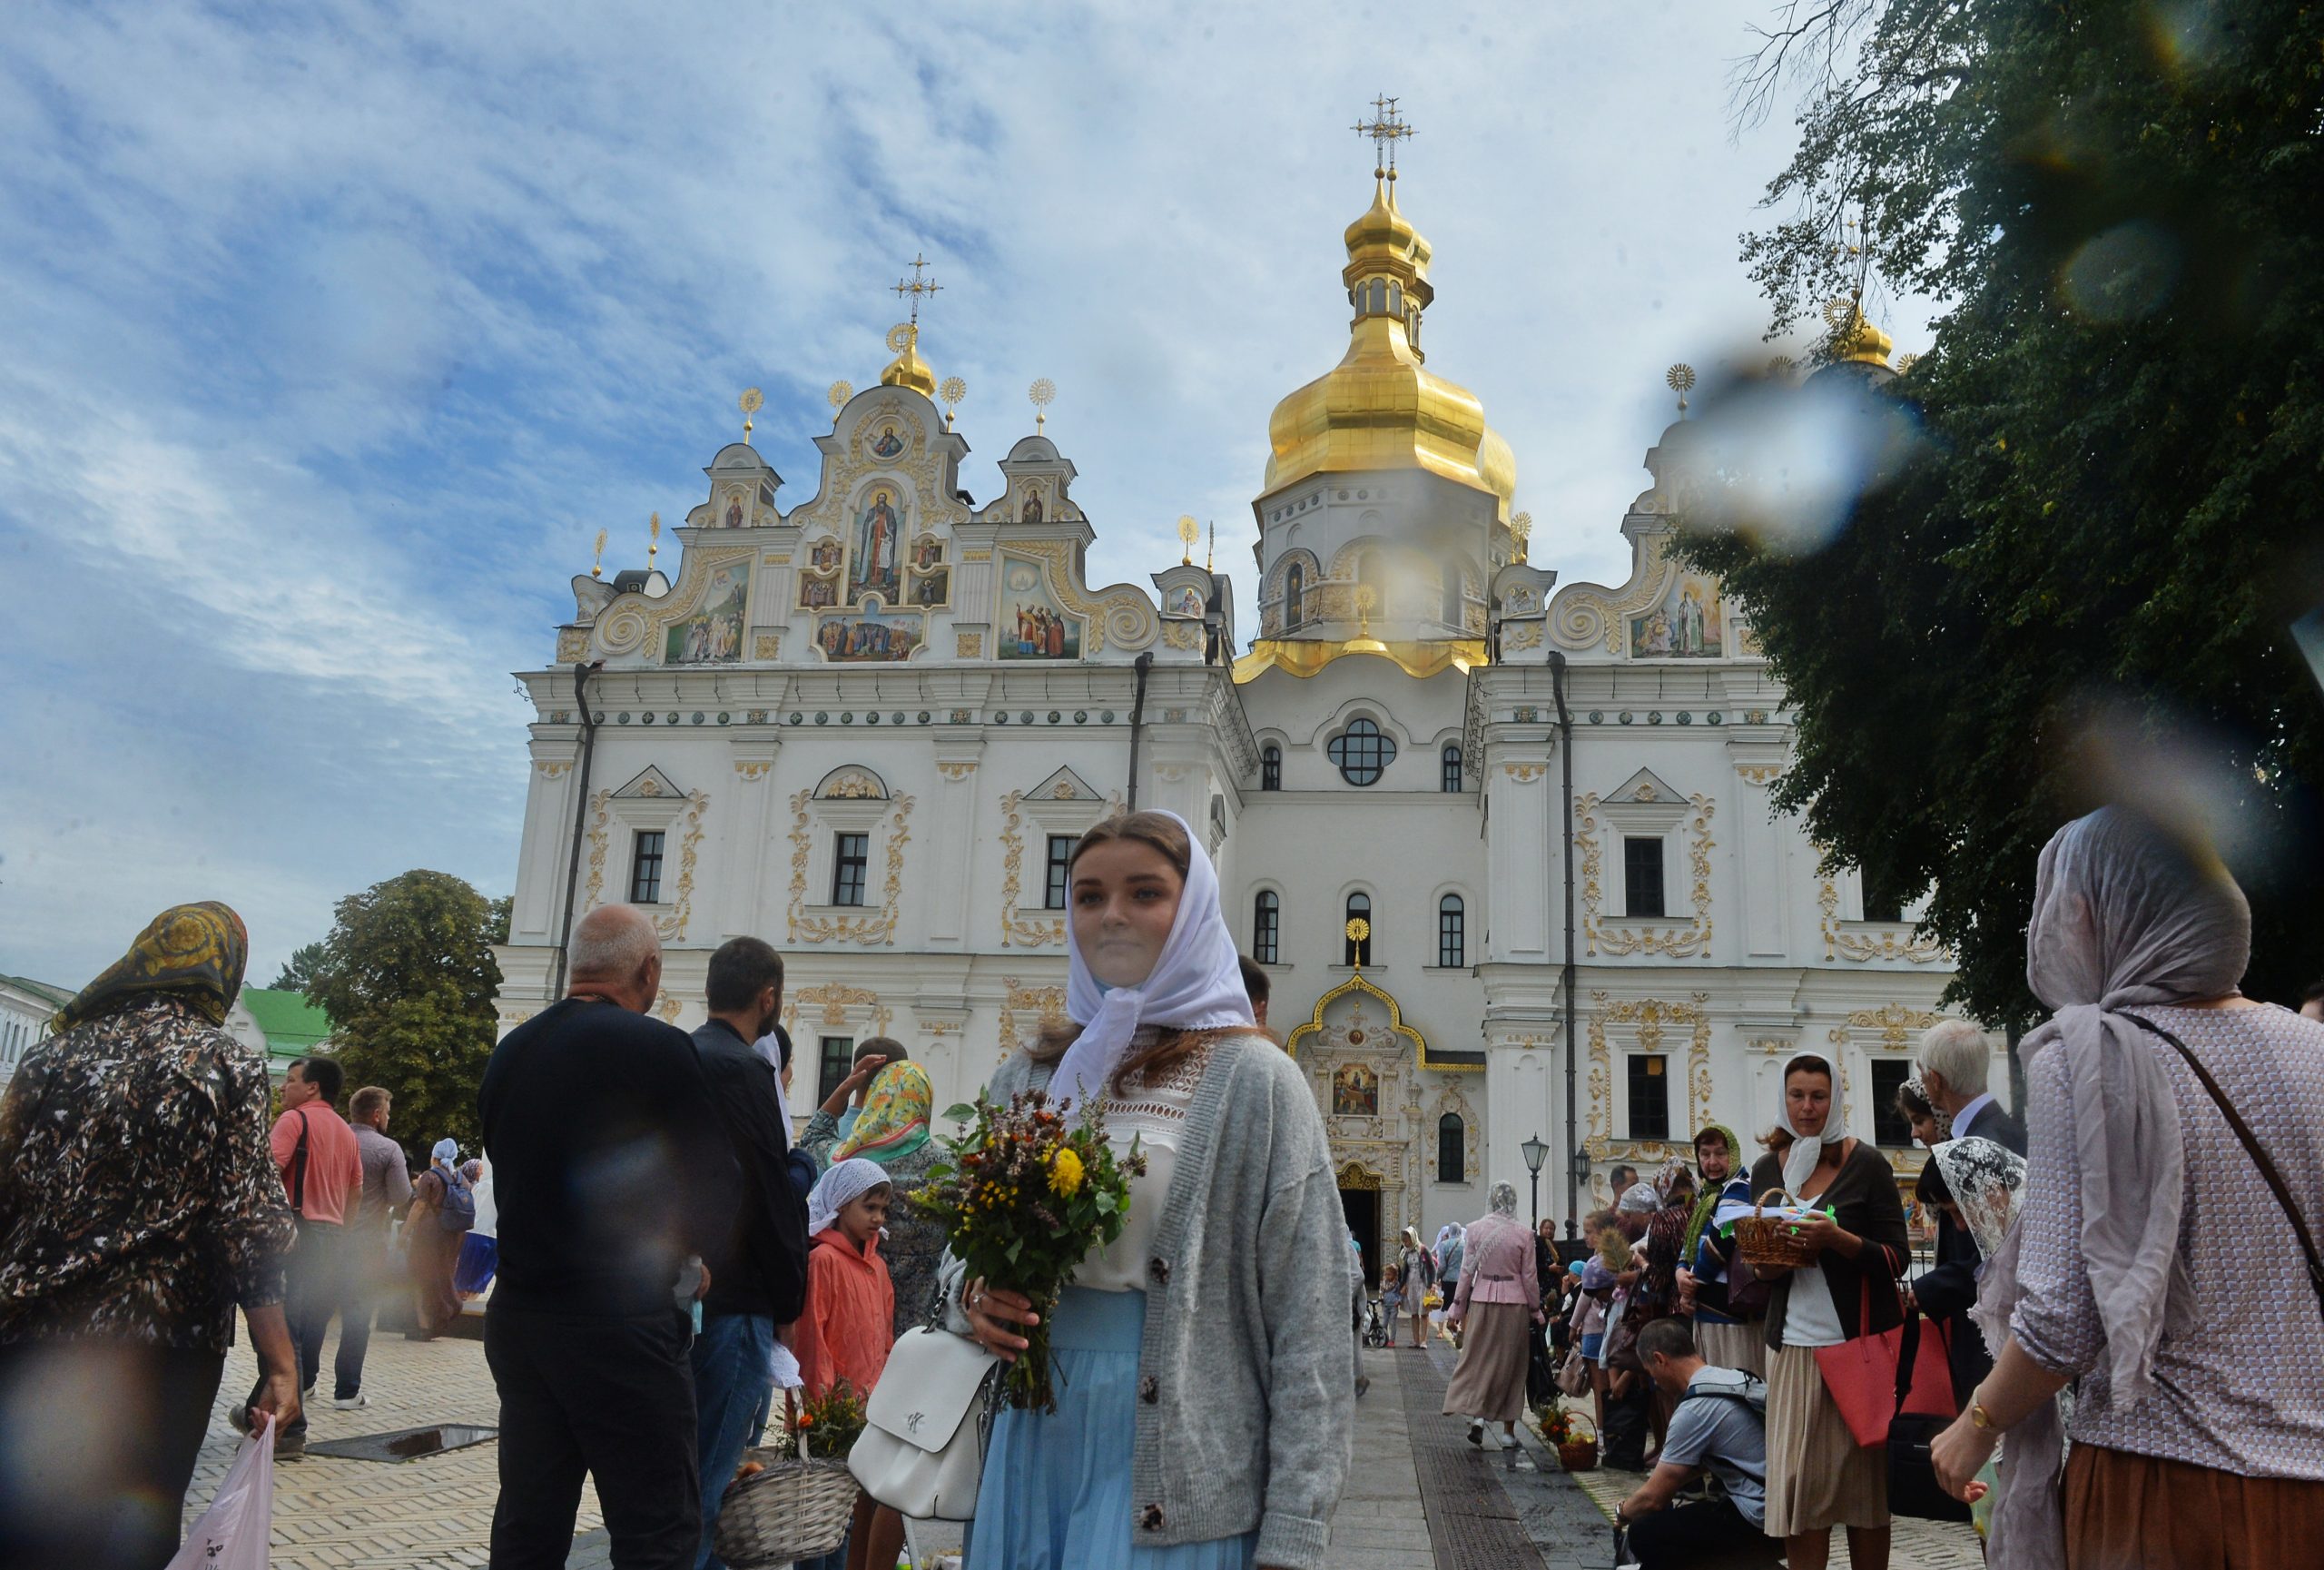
x,y
822,1428
1029,1192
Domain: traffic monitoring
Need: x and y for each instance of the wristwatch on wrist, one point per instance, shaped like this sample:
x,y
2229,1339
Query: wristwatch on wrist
x,y
1980,1417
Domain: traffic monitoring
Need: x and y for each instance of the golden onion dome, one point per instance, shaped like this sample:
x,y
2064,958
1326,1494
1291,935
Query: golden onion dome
x,y
907,368
1854,340
1380,408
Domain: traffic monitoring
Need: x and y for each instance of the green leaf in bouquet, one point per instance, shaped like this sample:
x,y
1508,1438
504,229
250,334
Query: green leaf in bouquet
x,y
1106,1203
961,1112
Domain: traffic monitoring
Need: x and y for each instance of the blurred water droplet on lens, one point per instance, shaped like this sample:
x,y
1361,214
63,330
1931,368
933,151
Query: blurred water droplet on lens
x,y
2123,273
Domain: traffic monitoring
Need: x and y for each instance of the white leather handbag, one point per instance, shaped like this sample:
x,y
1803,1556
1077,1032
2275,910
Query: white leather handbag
x,y
922,1451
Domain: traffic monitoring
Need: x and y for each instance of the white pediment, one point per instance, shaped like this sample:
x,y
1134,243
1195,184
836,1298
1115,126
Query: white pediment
x,y
1646,788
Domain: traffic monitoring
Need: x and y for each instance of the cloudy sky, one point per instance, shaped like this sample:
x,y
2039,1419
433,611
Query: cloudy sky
x,y
336,332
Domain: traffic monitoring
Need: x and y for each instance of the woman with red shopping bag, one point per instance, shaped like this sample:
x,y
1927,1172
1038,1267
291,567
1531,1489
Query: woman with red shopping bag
x,y
1851,1237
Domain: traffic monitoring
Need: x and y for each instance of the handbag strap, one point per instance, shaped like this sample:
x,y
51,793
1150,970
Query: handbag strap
x,y
2251,1146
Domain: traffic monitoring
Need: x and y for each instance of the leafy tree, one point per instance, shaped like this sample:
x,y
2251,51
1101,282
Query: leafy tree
x,y
300,969
407,978
2083,576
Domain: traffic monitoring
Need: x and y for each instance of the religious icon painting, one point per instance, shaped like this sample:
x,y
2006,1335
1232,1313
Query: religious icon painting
x,y
824,554
1032,625
931,588
1185,602
873,635
1356,1091
713,635
1028,510
926,552
735,513
878,548
1685,625
886,442
818,591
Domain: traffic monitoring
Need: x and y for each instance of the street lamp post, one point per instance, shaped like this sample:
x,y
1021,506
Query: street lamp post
x,y
1536,1153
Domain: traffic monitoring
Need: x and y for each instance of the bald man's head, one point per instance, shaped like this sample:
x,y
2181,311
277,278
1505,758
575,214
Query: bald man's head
x,y
616,955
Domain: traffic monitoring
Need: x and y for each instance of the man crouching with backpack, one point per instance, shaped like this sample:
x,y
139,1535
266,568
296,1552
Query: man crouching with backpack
x,y
1720,1426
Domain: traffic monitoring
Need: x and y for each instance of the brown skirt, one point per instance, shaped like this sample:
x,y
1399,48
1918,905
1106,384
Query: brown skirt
x,y
1818,1477
2129,1512
1490,1383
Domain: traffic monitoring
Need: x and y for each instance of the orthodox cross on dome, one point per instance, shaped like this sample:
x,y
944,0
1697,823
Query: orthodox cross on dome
x,y
1386,128
915,287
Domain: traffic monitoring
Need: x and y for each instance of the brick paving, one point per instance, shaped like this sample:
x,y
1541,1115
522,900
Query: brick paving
x,y
1417,1495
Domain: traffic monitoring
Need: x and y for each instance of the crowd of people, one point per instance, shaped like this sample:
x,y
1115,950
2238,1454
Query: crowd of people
x,y
2131,1268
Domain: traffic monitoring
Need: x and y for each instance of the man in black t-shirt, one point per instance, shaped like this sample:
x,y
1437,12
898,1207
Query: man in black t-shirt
x,y
613,1176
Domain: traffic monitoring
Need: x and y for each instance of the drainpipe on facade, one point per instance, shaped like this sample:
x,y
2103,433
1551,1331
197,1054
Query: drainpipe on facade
x,y
1144,663
1573,1150
581,674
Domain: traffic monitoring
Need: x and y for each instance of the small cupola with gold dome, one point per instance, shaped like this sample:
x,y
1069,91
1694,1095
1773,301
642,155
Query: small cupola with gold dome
x,y
1382,475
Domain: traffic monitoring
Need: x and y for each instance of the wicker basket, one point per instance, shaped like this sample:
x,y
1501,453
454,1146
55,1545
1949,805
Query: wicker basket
x,y
793,1510
1771,1242
1579,1451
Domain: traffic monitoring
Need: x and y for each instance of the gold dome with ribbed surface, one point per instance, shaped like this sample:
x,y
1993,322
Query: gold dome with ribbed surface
x,y
1380,408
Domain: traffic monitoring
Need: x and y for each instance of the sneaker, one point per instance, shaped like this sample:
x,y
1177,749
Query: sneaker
x,y
1477,1434
350,1403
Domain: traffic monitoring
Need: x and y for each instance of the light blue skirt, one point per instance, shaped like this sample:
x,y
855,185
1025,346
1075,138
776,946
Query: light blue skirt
x,y
1057,1488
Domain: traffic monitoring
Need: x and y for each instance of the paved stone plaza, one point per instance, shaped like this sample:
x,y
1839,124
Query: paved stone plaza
x,y
1470,1514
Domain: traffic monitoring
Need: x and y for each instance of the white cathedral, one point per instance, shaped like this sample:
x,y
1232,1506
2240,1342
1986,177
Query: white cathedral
x,y
868,727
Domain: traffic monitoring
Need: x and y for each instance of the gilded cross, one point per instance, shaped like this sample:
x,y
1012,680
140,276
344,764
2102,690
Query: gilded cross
x,y
1386,128
914,287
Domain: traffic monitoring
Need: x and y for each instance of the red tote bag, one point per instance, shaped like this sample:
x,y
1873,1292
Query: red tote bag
x,y
1876,1379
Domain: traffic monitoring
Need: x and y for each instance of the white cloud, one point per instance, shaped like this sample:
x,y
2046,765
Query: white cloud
x,y
336,334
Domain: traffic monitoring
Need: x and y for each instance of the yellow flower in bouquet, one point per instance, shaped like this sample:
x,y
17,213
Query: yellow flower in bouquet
x,y
1027,1195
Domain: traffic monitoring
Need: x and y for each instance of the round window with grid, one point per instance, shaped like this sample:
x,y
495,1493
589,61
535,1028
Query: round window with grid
x,y
1362,751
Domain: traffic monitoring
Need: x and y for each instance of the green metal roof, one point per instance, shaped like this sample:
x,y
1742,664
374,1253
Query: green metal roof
x,y
293,1026
59,996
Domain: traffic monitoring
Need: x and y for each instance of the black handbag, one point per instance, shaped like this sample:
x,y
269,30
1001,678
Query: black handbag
x,y
1913,1488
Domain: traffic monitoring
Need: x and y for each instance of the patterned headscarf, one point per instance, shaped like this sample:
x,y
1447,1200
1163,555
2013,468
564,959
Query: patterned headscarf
x,y
1504,1200
1666,1180
894,1120
1707,1198
194,954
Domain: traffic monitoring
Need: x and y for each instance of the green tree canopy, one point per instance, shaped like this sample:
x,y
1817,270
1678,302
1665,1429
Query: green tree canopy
x,y
407,978
298,969
2081,576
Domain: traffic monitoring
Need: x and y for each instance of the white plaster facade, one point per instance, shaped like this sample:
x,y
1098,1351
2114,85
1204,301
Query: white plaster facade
x,y
744,717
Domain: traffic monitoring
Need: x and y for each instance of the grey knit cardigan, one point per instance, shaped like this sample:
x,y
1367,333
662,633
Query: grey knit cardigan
x,y
1246,1404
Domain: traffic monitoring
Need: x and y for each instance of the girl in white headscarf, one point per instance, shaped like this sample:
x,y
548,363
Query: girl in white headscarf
x,y
2152,1260
1203,1400
1819,1477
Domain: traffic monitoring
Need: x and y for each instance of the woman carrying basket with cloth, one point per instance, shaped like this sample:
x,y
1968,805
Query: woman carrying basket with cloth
x,y
1853,1248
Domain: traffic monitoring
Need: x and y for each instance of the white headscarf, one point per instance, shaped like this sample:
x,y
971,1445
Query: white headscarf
x,y
846,1181
1196,984
1987,1179
1807,1149
768,1047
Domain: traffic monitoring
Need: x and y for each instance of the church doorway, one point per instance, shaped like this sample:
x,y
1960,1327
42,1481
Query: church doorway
x,y
1359,1203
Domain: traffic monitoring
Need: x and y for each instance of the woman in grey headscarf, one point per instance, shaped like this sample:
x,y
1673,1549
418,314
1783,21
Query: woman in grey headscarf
x,y
1497,1304
2150,1258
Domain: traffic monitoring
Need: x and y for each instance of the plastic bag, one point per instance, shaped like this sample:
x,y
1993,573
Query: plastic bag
x,y
233,1534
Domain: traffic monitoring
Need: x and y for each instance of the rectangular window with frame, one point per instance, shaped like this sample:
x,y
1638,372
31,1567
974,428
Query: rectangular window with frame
x,y
645,869
1889,1127
1452,932
850,868
1060,867
1642,876
1267,927
834,1059
1650,1096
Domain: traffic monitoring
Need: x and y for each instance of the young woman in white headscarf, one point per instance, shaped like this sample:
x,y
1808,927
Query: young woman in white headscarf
x,y
2152,1260
1819,1477
1204,1402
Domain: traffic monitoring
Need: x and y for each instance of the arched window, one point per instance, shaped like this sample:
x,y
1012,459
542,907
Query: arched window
x,y
1451,1148
1295,593
1355,952
1451,932
1453,595
1362,751
1449,776
1270,767
1267,927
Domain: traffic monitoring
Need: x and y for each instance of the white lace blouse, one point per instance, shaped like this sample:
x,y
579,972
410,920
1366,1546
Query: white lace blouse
x,y
1151,1110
